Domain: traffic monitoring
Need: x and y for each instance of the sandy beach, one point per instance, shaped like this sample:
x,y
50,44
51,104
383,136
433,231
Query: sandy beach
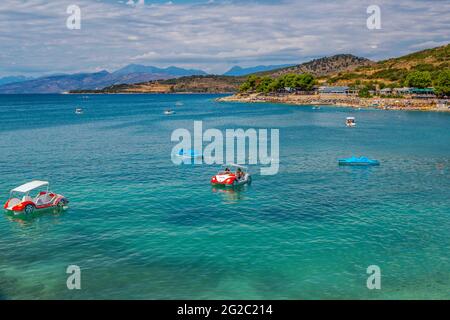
x,y
410,104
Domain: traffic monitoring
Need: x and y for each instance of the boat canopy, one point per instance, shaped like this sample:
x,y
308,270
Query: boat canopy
x,y
27,187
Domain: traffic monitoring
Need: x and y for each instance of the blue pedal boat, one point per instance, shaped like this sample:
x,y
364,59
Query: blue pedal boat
x,y
361,161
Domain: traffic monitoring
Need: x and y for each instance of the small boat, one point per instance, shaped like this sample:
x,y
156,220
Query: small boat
x,y
33,196
228,178
79,111
361,161
179,103
316,108
169,112
190,154
350,122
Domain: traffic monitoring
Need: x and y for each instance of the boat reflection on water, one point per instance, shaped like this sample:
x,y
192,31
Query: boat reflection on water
x,y
231,195
24,220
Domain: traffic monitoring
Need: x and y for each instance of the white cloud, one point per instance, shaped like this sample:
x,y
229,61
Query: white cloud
x,y
210,35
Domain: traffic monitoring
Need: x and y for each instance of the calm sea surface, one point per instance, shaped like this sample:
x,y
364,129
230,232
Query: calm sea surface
x,y
140,227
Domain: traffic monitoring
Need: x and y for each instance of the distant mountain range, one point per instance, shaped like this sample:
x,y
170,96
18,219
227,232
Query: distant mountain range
x,y
135,77
132,73
238,71
172,71
327,66
338,69
13,79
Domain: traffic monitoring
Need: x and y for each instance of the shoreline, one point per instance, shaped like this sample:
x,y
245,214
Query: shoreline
x,y
405,104
144,93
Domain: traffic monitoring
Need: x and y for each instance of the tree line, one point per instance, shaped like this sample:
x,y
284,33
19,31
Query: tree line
x,y
266,84
425,79
439,80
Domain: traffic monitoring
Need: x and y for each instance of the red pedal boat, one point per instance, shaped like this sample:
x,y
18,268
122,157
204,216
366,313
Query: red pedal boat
x,y
236,176
32,196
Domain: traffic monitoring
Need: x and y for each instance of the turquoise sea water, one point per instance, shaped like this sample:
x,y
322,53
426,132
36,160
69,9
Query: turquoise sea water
x,y
140,227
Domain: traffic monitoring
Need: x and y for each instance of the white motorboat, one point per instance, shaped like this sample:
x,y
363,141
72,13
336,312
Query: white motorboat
x,y
350,122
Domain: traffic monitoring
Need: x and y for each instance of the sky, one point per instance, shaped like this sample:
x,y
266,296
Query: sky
x,y
211,35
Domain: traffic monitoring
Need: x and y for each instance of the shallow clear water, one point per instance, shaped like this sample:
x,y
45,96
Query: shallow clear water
x,y
142,228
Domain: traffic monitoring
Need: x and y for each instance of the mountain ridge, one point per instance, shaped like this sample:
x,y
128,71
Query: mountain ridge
x,y
394,71
323,66
14,79
129,74
340,69
227,84
172,70
243,71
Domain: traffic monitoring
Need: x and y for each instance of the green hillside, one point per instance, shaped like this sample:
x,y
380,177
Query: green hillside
x,y
423,69
394,72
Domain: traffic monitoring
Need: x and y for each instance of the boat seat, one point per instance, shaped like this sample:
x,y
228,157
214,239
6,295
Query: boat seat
x,y
13,202
43,199
27,198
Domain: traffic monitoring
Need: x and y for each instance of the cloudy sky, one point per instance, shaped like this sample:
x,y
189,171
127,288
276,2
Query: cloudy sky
x,y
212,35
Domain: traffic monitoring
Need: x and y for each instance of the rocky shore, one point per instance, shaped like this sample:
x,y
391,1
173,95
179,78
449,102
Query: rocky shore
x,y
344,101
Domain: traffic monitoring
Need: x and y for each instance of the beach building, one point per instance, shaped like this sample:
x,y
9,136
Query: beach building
x,y
401,91
415,92
424,93
281,92
337,90
299,91
386,91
